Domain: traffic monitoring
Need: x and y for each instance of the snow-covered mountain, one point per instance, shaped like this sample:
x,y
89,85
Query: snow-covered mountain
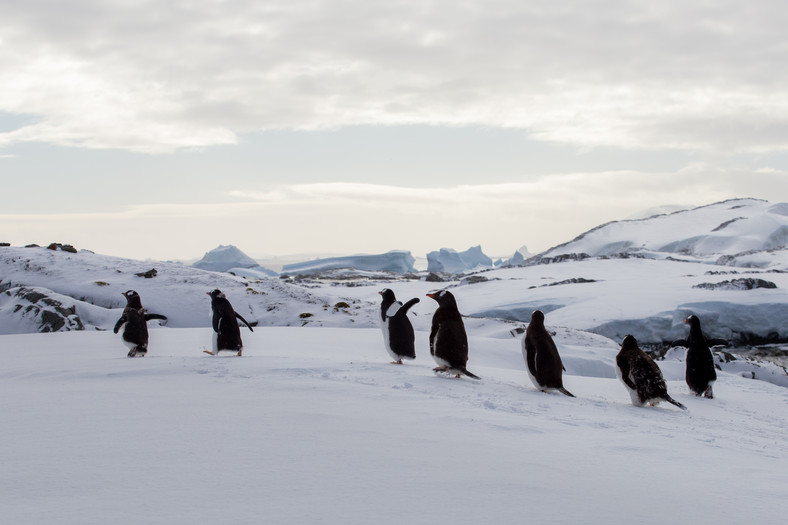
x,y
232,259
739,232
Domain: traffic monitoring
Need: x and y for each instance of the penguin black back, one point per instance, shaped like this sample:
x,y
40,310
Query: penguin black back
x,y
641,375
542,361
700,373
227,333
448,340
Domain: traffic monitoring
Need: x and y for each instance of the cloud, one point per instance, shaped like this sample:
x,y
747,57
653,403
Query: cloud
x,y
161,76
372,218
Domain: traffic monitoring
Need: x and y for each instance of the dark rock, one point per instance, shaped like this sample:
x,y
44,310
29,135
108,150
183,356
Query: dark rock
x,y
149,274
737,284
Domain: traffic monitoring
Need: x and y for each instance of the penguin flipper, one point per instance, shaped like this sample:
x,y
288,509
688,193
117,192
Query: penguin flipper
x,y
119,324
150,317
406,306
244,321
717,342
680,342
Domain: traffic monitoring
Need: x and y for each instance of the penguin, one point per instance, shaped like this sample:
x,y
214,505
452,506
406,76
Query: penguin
x,y
448,340
134,324
227,333
398,336
542,361
641,375
700,374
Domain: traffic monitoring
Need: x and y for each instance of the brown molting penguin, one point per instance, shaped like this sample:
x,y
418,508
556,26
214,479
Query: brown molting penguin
x,y
641,375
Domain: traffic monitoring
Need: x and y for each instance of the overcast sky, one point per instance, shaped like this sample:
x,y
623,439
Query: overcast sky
x,y
162,129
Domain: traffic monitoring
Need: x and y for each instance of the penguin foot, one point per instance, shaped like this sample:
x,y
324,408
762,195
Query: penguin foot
x,y
440,369
396,362
708,393
239,352
208,352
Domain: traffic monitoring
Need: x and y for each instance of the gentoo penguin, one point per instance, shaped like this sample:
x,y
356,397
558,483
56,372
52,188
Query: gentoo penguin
x,y
448,340
701,374
641,375
227,333
398,336
134,322
542,361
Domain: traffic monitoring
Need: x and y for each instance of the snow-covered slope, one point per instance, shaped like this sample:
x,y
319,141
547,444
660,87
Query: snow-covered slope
x,y
313,426
93,283
730,229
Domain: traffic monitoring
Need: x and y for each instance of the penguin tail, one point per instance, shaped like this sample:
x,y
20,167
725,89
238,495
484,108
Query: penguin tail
x,y
566,392
674,402
469,374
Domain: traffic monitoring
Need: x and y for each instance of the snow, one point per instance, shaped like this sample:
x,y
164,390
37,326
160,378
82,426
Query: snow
x,y
313,425
393,261
447,260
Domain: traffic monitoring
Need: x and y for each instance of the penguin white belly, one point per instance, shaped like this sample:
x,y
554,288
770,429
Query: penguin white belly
x,y
528,370
215,341
387,338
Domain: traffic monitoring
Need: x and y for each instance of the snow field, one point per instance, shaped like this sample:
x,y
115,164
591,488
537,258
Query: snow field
x,y
312,425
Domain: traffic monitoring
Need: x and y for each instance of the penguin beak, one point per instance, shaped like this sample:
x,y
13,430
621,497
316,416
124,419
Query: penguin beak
x,y
207,293
380,293
431,295
123,294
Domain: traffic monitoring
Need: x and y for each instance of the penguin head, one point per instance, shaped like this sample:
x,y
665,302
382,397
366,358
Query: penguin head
x,y
388,295
132,299
443,297
537,317
629,343
693,321
216,294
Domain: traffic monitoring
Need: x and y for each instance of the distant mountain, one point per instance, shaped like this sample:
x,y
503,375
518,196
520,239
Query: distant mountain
x,y
230,258
737,231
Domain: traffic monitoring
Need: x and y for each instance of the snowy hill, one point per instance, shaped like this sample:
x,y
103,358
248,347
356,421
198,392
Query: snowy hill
x,y
313,426
92,285
738,232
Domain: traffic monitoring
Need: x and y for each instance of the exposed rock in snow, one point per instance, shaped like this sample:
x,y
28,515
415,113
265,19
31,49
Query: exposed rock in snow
x,y
32,309
397,261
737,284
447,260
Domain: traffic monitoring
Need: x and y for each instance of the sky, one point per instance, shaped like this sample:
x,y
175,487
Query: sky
x,y
160,130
